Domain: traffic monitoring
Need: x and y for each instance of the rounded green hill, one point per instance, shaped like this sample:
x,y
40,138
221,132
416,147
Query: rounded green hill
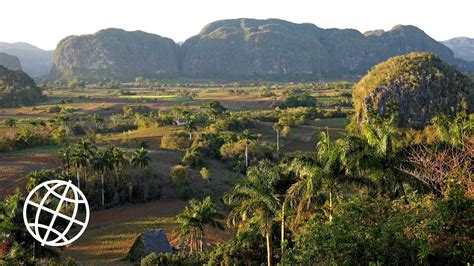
x,y
18,89
415,87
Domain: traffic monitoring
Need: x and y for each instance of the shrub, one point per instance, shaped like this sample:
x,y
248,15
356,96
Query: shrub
x,y
179,174
179,258
205,174
192,157
176,141
299,100
53,109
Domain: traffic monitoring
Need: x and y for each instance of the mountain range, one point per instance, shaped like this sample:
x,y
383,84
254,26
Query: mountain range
x,y
462,47
240,49
35,62
10,61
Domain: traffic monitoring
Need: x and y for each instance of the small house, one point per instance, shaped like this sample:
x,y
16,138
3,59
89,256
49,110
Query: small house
x,y
149,242
181,121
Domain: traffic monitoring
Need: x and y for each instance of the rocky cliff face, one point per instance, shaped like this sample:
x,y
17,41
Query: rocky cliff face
x,y
416,86
462,47
274,48
115,54
9,61
241,49
17,89
35,61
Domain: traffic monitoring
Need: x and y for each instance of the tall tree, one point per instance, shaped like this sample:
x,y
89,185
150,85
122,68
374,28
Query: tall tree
x,y
139,159
278,127
190,126
102,163
255,199
118,161
65,155
195,218
83,155
247,137
97,120
381,136
337,170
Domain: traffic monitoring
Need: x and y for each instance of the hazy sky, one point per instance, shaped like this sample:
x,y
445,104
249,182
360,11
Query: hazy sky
x,y
44,23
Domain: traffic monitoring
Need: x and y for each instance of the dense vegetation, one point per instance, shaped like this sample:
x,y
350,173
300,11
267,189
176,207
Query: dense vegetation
x,y
414,87
17,89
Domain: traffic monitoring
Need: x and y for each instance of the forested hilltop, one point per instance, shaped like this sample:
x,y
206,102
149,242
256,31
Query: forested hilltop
x,y
241,49
17,88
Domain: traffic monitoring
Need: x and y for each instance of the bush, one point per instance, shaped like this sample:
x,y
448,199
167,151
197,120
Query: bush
x,y
179,258
192,157
205,174
176,141
234,152
209,143
53,109
179,174
299,100
179,178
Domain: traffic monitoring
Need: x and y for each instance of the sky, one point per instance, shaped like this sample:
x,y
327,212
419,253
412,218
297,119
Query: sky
x,y
44,23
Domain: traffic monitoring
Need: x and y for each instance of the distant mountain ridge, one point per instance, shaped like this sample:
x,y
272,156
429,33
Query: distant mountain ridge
x,y
35,62
116,54
10,61
462,47
272,48
241,49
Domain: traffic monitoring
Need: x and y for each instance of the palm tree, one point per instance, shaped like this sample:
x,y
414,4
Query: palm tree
x,y
337,169
255,199
84,153
301,194
195,218
97,120
102,162
65,155
381,137
278,127
79,161
454,130
140,158
247,137
118,161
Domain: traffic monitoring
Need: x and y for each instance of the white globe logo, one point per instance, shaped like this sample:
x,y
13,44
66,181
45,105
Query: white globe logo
x,y
51,224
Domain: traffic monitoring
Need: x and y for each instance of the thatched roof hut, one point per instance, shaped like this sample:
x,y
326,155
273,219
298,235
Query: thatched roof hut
x,y
146,243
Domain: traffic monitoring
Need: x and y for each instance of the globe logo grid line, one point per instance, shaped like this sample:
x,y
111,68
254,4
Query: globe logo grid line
x,y
35,226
